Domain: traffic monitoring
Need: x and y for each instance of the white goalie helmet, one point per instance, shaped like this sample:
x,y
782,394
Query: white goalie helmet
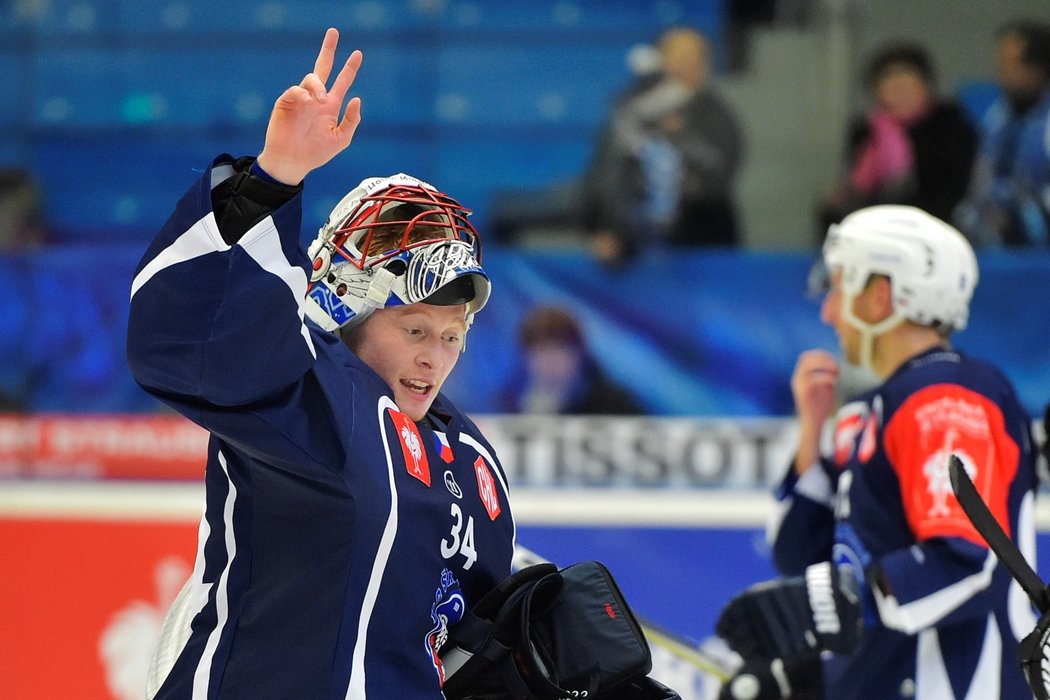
x,y
931,266
390,241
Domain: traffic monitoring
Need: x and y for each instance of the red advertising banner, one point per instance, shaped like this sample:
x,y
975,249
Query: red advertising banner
x,y
102,447
82,602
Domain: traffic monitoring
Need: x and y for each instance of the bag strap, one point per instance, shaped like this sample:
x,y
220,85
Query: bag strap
x,y
534,669
492,602
480,645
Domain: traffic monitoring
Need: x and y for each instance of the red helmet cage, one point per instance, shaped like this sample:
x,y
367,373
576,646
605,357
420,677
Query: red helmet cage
x,y
360,226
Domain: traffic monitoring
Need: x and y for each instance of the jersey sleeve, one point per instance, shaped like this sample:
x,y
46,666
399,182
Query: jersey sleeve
x,y
216,322
802,528
950,573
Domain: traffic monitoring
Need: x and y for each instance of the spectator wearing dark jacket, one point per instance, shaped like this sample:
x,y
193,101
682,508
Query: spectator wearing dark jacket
x,y
911,146
667,159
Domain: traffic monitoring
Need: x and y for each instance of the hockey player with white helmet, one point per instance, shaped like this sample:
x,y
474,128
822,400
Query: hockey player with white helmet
x,y
889,591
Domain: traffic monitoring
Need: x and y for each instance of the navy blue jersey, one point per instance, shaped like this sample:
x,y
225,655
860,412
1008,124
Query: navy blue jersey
x,y
340,538
942,617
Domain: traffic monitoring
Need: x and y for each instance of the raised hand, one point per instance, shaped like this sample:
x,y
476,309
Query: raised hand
x,y
308,126
813,387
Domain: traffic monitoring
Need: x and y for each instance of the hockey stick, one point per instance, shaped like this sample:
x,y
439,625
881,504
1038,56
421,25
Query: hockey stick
x,y
981,517
659,637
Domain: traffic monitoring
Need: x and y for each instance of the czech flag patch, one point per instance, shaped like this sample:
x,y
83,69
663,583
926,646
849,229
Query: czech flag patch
x,y
442,446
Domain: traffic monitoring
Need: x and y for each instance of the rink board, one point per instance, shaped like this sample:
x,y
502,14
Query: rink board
x,y
90,568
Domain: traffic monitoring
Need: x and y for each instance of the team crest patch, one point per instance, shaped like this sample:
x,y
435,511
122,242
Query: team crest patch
x,y
950,425
934,424
487,488
411,446
447,610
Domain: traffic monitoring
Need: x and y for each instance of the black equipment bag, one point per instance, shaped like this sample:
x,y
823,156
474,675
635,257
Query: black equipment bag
x,y
546,634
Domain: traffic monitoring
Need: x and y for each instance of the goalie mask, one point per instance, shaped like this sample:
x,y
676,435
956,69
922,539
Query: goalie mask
x,y
391,241
931,267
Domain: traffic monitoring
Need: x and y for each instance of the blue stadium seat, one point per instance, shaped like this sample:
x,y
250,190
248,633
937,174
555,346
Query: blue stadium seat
x,y
472,165
13,23
114,189
543,83
70,18
76,86
398,80
203,85
597,17
137,178
240,19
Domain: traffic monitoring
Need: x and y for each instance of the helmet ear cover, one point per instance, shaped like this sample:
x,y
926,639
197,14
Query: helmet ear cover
x,y
394,240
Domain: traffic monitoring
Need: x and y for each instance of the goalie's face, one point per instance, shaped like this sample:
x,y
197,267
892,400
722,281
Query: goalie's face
x,y
413,348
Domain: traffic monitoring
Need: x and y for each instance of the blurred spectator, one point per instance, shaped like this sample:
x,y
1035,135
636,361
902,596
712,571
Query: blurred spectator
x,y
667,158
911,147
21,213
561,376
1009,201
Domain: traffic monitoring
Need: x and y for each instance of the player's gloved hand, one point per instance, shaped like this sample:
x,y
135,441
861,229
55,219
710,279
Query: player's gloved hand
x,y
793,617
762,679
1034,653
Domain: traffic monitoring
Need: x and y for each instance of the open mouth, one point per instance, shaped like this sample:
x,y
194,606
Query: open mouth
x,y
416,387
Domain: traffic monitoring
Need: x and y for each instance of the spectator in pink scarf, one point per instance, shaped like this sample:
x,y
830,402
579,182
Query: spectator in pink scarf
x,y
911,147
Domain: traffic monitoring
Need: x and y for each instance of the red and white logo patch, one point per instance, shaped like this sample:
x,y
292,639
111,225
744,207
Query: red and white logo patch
x,y
411,446
487,488
849,423
935,423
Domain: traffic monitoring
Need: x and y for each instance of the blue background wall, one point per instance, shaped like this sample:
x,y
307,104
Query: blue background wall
x,y
703,333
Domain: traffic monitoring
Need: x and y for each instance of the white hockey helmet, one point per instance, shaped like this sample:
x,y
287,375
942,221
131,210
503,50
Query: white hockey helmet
x,y
931,266
390,241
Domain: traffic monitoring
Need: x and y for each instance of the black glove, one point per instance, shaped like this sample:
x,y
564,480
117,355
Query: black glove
x,y
798,679
1034,652
788,618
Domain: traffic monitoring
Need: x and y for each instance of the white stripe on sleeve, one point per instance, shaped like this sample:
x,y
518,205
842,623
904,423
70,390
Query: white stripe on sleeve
x,y
927,612
356,688
263,244
202,676
176,630
469,440
200,239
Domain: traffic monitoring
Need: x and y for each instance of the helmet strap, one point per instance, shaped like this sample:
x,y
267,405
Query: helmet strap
x,y
378,289
868,331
